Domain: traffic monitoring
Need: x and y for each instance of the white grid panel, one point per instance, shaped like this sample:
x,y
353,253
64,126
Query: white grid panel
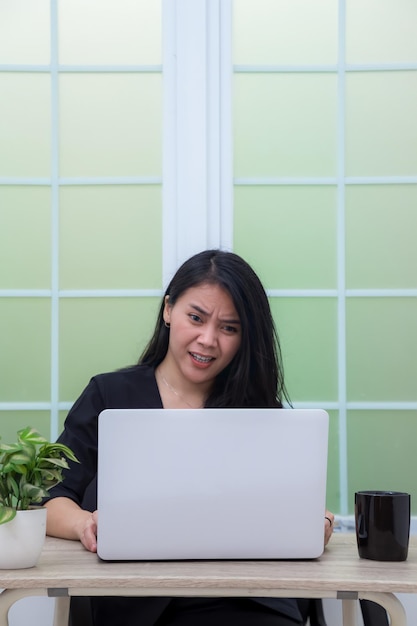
x,y
54,182
341,181
216,17
183,23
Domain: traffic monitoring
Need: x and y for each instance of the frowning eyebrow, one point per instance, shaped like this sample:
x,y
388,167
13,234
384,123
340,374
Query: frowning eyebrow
x,y
203,312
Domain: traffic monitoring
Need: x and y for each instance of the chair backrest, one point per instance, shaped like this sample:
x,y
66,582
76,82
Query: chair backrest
x,y
373,614
312,611
80,612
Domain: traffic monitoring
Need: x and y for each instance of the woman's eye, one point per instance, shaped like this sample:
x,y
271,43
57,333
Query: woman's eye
x,y
230,329
194,317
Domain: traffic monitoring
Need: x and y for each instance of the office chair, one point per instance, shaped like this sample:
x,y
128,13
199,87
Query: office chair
x,y
311,610
80,612
373,614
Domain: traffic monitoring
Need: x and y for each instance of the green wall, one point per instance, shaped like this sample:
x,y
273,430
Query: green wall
x,y
80,198
325,208
325,168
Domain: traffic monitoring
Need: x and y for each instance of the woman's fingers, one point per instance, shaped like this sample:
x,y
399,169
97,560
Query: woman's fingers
x,y
328,526
88,535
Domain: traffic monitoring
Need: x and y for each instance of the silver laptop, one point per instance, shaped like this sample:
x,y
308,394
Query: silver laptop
x,y
211,483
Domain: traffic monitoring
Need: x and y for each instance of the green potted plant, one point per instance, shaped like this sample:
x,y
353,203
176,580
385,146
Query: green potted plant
x,y
29,468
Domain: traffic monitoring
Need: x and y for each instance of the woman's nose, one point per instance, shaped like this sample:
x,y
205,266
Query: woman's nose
x,y
208,336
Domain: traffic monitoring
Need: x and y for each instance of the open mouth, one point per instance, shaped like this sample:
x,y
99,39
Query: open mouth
x,y
201,359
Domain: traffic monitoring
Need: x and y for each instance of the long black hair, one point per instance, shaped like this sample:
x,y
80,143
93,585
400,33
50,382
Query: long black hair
x,y
254,377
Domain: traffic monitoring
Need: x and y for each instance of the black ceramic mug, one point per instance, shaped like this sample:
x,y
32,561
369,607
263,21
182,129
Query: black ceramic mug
x,y
382,520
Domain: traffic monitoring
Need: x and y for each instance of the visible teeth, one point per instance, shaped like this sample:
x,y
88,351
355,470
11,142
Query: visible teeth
x,y
202,359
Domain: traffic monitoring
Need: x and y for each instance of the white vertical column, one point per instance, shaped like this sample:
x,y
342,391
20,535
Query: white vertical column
x,y
226,178
341,264
197,180
54,224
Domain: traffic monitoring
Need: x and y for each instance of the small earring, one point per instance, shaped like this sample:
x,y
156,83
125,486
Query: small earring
x,y
167,324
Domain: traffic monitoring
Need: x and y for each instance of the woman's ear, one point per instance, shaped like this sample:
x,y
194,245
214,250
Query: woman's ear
x,y
167,310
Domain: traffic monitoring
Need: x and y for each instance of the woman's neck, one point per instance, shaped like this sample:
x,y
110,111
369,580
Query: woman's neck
x,y
175,394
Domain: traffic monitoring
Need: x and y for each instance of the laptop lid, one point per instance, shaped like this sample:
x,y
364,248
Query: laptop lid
x,y
211,483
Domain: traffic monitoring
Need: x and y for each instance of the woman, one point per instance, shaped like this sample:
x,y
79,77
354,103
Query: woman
x,y
214,345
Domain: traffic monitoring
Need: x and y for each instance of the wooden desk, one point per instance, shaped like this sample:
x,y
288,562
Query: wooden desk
x,y
66,569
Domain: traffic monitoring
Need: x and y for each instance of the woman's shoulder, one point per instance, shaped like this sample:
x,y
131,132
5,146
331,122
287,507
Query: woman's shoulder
x,y
130,386
132,373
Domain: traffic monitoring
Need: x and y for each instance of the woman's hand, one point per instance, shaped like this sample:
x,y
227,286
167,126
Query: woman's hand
x,y
67,520
328,526
87,532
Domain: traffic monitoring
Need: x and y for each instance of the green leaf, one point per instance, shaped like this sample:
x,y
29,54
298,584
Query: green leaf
x,y
33,492
6,514
20,457
10,447
56,449
51,461
12,486
49,475
30,435
29,468
10,468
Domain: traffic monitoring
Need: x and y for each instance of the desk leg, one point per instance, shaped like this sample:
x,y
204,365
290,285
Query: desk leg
x,y
390,603
61,613
350,612
9,596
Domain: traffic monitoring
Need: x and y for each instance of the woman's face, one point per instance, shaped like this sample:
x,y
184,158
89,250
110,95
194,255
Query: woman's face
x,y
205,334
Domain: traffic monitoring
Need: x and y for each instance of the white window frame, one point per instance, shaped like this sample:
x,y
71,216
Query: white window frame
x,y
197,150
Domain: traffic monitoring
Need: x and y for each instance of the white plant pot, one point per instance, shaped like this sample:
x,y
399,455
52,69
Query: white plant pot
x,y
22,539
